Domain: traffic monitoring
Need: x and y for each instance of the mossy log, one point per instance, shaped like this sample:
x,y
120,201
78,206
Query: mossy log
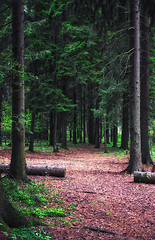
x,y
38,170
144,177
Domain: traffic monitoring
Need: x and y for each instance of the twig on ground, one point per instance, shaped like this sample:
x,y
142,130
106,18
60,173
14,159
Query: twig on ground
x,y
97,229
90,192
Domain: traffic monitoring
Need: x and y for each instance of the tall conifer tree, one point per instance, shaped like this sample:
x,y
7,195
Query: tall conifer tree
x,y
18,165
146,158
135,162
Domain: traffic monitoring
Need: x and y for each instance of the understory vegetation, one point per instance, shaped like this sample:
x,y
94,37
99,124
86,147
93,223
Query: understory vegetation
x,y
39,204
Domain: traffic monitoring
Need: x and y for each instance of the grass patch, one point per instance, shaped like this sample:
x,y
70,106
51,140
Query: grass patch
x,y
29,234
39,204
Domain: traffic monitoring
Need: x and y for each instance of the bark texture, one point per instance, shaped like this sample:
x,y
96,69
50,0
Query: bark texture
x,y
91,120
84,115
115,132
31,146
146,158
0,117
51,127
125,121
64,130
144,177
17,166
75,118
39,170
135,163
55,147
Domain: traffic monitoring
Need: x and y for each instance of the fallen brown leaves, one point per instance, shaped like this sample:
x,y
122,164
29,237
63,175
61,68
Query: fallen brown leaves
x,y
105,203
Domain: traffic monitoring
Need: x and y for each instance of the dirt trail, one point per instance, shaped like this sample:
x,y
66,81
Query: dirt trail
x,y
108,205
104,199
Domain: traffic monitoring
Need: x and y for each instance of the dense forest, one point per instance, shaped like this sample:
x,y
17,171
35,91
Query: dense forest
x,y
80,71
76,71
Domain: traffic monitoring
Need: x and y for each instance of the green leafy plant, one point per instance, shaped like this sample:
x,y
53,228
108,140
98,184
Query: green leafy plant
x,y
28,234
37,202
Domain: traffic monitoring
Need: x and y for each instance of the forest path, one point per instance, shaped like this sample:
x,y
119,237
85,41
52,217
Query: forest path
x,y
105,203
103,199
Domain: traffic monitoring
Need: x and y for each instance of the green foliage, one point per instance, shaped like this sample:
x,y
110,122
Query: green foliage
x,y
27,194
36,202
6,119
41,213
70,44
107,213
28,234
39,204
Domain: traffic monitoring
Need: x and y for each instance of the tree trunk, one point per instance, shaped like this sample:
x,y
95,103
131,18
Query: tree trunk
x,y
70,132
64,130
81,115
125,122
97,133
144,110
107,131
0,118
39,170
59,126
97,125
91,135
55,147
51,127
111,134
105,137
135,162
17,167
31,147
84,116
114,136
144,177
75,119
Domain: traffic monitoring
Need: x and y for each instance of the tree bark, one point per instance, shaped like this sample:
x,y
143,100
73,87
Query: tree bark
x,y
81,113
125,122
135,162
0,118
91,128
97,125
64,115
59,126
17,166
107,131
84,115
114,136
51,127
105,136
144,177
75,118
31,147
64,130
39,170
55,147
144,110
97,133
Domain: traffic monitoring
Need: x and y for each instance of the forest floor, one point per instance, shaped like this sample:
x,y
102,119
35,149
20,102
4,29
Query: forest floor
x,y
105,203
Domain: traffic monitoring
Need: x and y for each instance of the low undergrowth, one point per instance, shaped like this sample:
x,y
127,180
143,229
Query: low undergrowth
x,y
39,204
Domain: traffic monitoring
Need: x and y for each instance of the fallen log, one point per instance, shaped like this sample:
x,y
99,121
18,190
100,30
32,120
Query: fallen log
x,y
38,170
144,177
